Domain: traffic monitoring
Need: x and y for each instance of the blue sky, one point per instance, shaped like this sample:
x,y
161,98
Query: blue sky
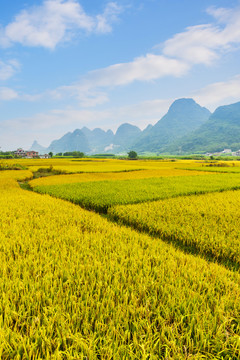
x,y
65,64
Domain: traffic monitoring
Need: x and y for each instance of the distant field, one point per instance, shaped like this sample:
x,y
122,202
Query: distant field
x,y
103,194
124,175
75,286
228,168
103,165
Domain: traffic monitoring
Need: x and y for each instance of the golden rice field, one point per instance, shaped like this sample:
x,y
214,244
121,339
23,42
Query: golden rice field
x,y
123,175
74,285
209,223
231,168
106,165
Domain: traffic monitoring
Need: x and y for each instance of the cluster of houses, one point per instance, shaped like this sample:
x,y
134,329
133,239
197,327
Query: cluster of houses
x,y
30,154
225,152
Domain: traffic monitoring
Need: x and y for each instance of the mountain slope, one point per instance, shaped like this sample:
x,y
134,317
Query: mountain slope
x,y
75,141
126,135
39,148
98,139
222,130
183,116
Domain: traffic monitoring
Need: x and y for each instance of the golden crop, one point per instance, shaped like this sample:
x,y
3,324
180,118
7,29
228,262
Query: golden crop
x,y
209,223
124,175
15,174
103,165
75,286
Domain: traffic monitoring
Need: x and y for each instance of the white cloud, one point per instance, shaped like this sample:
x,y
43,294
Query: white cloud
x,y
219,93
202,44
8,69
143,113
84,96
144,68
55,21
109,16
7,94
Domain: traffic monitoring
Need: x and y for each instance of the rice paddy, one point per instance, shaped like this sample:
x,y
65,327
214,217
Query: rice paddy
x,y
75,285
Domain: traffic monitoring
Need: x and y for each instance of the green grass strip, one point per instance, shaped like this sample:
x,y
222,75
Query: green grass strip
x,y
99,196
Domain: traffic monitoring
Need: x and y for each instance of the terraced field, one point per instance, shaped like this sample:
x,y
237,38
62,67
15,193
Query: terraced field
x,y
74,285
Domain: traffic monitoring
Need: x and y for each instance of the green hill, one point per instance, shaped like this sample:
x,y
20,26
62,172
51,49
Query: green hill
x,y
222,130
183,116
75,141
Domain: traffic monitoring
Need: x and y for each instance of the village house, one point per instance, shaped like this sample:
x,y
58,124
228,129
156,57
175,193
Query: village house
x,y
236,153
45,156
26,154
227,151
31,154
20,152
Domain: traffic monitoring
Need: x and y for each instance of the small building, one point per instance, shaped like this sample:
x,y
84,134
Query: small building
x,y
227,151
31,154
26,154
20,152
237,153
45,156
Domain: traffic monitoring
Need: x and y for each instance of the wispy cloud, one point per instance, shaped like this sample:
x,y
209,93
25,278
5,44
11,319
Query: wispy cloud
x,y
219,93
89,91
203,44
110,15
55,21
92,89
7,94
143,68
8,69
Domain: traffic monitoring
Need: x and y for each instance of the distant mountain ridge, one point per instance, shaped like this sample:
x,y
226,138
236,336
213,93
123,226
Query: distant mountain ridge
x,y
186,128
93,141
98,139
39,148
75,141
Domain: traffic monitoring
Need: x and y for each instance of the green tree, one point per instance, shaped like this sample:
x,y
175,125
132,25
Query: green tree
x,y
78,154
132,155
50,153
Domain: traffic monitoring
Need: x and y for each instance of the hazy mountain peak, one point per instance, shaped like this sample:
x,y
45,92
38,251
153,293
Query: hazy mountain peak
x,y
126,135
185,104
37,147
77,132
